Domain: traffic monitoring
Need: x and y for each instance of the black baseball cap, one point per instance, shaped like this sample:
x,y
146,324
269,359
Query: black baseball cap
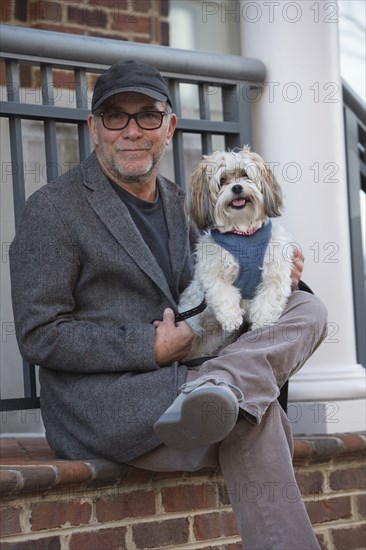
x,y
130,76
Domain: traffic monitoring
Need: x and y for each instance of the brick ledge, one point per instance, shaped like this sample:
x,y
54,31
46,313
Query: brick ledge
x,y
28,465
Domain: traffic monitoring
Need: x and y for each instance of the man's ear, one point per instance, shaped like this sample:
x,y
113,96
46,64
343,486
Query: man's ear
x,y
172,125
93,128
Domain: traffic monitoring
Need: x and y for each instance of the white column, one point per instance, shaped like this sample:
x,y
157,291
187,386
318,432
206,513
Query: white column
x,y
298,128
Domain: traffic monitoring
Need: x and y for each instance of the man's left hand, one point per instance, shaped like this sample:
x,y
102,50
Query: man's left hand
x,y
297,267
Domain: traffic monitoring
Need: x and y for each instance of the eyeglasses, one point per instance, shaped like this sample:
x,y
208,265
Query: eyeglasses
x,y
146,120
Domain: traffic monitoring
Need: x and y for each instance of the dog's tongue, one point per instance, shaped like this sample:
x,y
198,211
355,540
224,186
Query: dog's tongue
x,y
238,202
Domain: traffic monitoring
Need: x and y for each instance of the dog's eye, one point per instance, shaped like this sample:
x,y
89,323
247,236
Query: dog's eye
x,y
222,181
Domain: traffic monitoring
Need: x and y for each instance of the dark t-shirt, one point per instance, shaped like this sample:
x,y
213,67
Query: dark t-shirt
x,y
150,220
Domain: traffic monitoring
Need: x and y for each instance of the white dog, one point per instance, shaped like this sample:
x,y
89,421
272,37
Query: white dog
x,y
243,260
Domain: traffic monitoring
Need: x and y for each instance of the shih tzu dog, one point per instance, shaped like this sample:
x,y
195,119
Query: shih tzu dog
x,y
242,259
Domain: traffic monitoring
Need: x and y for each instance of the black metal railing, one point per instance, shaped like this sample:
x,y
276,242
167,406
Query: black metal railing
x,y
40,54
355,133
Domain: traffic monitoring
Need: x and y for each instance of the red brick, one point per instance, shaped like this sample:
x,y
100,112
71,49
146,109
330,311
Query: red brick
x,y
43,10
233,546
325,448
188,497
350,478
47,543
158,534
87,15
214,525
361,505
113,539
302,450
132,23
36,449
142,39
9,481
66,80
137,503
351,539
310,483
25,81
329,510
223,494
354,444
70,470
9,521
38,477
117,5
322,542
121,13
6,10
158,476
10,448
49,515
141,6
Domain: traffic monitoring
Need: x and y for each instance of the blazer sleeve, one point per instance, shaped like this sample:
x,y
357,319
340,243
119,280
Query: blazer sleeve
x,y
44,266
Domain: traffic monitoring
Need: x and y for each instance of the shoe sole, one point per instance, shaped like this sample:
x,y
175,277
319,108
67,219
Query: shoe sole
x,y
207,415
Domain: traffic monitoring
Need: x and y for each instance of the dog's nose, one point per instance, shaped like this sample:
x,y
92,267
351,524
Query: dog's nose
x,y
237,189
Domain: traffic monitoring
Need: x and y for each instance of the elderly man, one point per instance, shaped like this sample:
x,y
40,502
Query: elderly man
x,y
98,263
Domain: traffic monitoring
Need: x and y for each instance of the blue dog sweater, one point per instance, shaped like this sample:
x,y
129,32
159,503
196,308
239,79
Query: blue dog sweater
x,y
249,252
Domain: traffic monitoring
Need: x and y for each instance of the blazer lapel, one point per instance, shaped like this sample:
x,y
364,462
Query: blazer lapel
x,y
173,199
114,214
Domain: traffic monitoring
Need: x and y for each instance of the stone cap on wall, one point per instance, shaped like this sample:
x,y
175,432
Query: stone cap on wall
x,y
28,465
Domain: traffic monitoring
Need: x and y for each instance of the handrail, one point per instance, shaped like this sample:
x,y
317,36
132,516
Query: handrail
x,y
105,51
354,102
355,141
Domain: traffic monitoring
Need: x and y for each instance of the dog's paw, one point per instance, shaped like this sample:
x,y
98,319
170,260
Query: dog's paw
x,y
228,327
233,322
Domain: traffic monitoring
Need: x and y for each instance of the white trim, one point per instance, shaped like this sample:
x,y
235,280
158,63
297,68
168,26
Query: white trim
x,y
298,128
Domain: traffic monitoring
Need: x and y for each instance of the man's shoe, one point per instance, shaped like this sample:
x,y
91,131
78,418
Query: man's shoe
x,y
199,416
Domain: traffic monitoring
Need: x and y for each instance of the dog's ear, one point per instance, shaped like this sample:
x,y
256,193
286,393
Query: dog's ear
x,y
273,203
198,205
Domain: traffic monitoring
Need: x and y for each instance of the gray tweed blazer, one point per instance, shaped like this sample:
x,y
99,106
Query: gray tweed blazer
x,y
85,289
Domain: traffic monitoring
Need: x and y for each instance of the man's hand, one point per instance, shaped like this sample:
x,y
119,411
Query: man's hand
x,y
297,267
172,340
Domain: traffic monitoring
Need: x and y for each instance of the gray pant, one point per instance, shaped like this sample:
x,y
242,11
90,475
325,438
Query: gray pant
x,y
256,457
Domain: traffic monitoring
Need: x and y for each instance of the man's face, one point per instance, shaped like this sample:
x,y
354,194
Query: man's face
x,y
132,154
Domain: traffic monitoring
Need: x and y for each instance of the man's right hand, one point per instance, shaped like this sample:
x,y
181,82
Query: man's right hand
x,y
172,340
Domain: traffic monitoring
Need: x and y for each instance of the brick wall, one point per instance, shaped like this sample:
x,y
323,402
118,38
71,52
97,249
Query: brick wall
x,y
159,513
131,20
97,505
335,497
134,20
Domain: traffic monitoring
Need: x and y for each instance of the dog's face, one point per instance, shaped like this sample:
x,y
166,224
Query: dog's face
x,y
233,190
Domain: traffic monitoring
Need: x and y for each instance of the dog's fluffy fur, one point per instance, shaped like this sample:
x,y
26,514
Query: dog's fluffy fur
x,y
234,192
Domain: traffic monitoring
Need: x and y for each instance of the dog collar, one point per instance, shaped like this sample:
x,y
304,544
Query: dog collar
x,y
237,232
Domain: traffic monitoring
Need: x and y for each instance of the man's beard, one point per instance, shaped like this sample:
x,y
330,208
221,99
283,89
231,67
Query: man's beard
x,y
132,176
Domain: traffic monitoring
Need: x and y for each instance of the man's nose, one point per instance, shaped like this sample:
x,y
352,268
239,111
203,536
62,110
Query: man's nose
x,y
132,129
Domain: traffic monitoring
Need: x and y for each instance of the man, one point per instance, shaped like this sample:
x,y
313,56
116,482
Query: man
x,y
98,263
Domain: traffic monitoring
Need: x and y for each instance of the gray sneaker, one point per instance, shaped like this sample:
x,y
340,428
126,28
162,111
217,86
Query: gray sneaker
x,y
204,412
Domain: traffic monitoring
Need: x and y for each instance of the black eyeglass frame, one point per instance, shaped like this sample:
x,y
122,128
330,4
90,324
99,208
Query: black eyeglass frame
x,y
133,116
